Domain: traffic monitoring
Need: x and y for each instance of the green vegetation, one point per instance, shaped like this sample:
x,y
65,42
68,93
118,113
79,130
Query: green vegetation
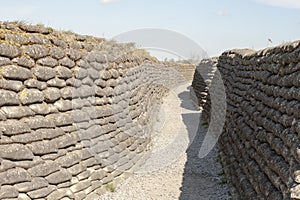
x,y
204,124
221,173
110,187
223,181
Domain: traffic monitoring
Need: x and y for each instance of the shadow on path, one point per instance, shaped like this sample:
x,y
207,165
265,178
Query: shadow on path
x,y
200,178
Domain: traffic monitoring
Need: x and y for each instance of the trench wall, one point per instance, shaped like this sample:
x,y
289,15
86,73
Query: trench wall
x,y
75,111
259,146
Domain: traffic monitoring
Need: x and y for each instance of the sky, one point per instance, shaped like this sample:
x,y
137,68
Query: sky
x,y
215,25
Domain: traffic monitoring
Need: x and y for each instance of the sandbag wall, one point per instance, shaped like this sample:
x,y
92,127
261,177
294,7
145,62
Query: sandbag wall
x,y
201,83
75,111
186,69
259,146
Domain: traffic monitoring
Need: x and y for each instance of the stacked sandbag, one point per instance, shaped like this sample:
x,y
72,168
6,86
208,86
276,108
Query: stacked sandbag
x,y
260,140
76,111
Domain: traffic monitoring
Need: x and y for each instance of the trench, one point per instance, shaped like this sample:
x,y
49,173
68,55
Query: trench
x,y
173,169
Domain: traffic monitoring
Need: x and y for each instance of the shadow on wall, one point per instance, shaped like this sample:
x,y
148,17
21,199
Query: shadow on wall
x,y
200,178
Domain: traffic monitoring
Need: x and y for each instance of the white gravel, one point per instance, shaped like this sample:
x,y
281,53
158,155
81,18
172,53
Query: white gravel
x,y
174,170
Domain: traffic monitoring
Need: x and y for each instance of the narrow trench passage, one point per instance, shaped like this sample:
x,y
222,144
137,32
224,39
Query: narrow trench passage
x,y
174,171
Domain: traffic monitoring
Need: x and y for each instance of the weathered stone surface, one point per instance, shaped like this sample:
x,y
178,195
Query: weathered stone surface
x,y
76,169
25,62
13,127
63,72
7,191
96,57
23,196
91,162
101,83
74,180
90,133
59,42
5,140
83,63
8,98
67,62
74,82
66,140
38,122
53,156
79,116
60,119
33,83
68,160
115,74
83,175
26,164
44,73
40,193
108,179
15,72
105,75
75,45
80,103
9,50
80,73
11,85
43,170
13,176
84,91
29,96
43,147
16,112
15,152
57,52
19,39
88,81
38,135
80,186
4,61
100,147
74,54
35,29
35,184
66,92
43,108
67,184
51,94
56,82
6,164
59,177
60,193
80,195
2,118
98,175
48,61
36,51
39,39
63,105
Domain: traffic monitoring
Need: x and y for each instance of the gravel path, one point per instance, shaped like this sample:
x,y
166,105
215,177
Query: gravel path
x,y
174,170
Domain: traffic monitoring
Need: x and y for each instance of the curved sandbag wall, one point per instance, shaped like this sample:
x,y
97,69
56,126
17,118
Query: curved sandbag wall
x,y
259,146
76,111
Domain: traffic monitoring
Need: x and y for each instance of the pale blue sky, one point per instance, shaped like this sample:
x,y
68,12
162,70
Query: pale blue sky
x,y
216,25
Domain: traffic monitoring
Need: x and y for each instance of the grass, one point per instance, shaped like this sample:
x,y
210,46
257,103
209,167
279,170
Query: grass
x,y
157,119
221,173
18,22
110,187
204,124
223,181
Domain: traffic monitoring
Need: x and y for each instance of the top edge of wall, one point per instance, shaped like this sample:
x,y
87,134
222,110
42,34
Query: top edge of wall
x,y
249,53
